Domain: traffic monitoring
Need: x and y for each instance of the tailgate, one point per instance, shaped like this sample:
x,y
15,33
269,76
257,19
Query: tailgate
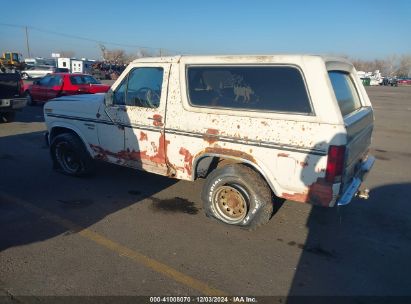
x,y
358,120
359,128
9,85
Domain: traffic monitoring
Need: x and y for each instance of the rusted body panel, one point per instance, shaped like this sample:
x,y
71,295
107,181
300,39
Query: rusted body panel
x,y
289,150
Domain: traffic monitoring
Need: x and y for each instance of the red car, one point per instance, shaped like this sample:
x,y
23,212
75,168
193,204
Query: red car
x,y
404,81
60,84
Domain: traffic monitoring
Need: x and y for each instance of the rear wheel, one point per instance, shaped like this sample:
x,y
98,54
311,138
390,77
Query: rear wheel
x,y
237,195
70,156
24,76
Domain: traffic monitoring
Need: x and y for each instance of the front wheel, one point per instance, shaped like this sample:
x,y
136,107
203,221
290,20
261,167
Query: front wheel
x,y
70,155
237,195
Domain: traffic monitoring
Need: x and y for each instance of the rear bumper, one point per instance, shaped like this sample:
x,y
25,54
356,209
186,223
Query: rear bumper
x,y
356,182
13,104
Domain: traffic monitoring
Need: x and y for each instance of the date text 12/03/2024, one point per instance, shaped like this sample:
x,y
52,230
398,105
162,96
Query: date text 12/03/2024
x,y
203,299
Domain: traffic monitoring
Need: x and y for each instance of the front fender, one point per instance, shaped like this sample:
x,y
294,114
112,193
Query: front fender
x,y
87,135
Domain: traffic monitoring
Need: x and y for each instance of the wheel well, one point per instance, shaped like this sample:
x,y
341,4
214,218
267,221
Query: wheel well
x,y
207,164
60,130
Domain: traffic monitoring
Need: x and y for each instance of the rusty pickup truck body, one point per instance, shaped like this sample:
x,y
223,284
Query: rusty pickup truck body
x,y
296,127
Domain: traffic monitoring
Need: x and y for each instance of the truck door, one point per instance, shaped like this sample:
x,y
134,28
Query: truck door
x,y
54,86
39,88
139,107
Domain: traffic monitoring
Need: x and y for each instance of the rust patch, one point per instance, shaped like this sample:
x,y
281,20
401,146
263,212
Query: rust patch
x,y
283,155
188,159
143,136
319,193
264,123
303,164
158,120
230,152
159,158
297,197
211,136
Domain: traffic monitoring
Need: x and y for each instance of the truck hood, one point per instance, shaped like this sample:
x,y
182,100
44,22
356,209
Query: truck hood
x,y
83,106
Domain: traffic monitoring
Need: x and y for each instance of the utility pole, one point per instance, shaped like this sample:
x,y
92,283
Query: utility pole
x,y
27,42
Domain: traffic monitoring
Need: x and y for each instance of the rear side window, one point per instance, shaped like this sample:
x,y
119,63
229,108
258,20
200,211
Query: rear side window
x,y
272,88
83,79
345,92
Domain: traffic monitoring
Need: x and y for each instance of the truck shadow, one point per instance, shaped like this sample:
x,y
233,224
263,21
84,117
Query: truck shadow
x,y
27,176
359,249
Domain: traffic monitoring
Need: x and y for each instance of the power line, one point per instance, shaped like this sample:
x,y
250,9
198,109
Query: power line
x,y
85,38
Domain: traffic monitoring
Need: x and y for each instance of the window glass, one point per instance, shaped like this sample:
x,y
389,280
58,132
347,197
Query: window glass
x,y
83,79
119,94
55,80
275,88
44,81
345,92
144,87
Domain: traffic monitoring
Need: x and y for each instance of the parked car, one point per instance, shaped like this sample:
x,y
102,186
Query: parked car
x,y
11,99
404,81
37,71
60,84
295,127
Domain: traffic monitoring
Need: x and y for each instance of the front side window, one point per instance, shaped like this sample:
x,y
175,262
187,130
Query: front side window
x,y
345,92
55,80
44,81
142,88
259,88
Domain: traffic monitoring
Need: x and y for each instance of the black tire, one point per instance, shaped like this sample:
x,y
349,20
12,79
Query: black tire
x,y
24,76
70,156
30,100
7,117
237,195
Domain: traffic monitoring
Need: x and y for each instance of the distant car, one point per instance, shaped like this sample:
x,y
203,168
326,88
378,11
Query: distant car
x,y
404,81
61,84
37,71
390,81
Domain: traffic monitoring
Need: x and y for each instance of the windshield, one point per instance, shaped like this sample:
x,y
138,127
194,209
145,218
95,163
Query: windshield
x,y
83,79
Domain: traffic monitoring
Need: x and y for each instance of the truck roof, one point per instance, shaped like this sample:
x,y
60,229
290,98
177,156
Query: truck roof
x,y
267,58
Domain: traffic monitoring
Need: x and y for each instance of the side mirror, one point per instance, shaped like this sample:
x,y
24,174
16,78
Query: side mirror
x,y
109,98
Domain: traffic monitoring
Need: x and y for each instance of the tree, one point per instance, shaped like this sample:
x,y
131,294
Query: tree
x,y
67,54
116,56
404,69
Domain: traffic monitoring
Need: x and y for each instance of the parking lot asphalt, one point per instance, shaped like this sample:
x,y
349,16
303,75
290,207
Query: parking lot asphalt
x,y
124,232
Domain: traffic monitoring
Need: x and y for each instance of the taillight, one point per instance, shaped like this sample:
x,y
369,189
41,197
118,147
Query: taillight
x,y
335,164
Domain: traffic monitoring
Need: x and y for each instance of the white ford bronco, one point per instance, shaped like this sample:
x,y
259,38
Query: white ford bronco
x,y
296,127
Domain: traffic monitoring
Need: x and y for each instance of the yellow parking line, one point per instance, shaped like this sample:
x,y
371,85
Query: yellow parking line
x,y
133,255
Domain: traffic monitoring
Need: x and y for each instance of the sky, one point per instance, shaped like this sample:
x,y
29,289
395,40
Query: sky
x,y
365,29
